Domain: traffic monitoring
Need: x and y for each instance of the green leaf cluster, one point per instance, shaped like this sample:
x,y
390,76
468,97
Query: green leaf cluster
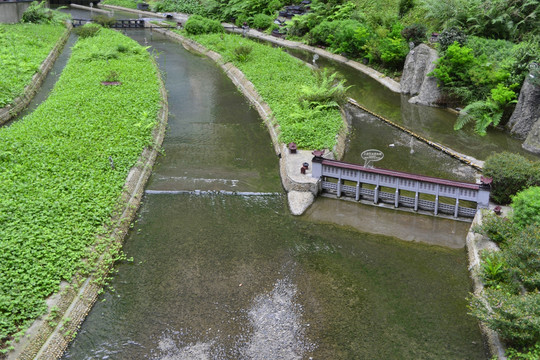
x,y
511,174
511,301
280,79
23,47
130,4
63,168
197,25
37,13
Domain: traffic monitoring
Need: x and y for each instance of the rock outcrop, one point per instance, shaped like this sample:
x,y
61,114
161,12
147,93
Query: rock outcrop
x,y
527,112
415,80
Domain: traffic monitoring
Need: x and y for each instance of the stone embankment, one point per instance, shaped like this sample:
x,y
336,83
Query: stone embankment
x,y
46,339
19,104
476,243
301,188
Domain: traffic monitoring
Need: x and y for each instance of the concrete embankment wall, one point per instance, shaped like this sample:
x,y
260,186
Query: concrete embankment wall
x,y
12,12
10,111
75,300
475,244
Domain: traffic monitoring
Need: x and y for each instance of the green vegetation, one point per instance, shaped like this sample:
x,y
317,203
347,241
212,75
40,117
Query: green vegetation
x,y
37,13
197,25
130,4
23,47
286,84
510,304
511,173
486,46
63,169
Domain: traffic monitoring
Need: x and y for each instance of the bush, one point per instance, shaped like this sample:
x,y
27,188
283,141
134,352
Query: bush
x,y
515,317
511,173
450,36
37,13
415,33
497,228
522,254
88,30
104,20
404,7
197,25
526,205
343,36
242,52
262,21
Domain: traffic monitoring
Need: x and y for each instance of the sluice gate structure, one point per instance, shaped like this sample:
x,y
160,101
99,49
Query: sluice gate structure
x,y
417,192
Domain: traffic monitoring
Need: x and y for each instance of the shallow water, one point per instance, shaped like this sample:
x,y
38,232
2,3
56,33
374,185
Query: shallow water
x,y
224,276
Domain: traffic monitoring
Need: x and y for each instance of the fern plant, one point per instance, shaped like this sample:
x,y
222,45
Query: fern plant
x,y
327,91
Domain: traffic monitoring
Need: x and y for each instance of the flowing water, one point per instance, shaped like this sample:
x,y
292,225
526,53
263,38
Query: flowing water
x,y
232,275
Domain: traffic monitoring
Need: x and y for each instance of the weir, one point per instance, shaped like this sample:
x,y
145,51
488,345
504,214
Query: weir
x,y
119,24
347,179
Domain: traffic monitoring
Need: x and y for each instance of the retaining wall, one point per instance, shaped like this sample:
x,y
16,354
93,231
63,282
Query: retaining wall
x,y
10,111
475,244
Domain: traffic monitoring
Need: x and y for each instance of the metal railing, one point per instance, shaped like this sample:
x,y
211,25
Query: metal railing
x,y
346,179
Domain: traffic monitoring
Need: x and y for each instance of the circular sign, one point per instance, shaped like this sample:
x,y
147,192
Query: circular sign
x,y
370,156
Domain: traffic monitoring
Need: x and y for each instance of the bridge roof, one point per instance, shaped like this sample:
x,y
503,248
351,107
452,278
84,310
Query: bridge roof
x,y
401,174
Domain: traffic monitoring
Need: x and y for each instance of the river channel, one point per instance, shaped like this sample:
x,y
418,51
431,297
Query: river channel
x,y
219,275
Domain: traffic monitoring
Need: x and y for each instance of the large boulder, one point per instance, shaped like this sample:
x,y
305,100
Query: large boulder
x,y
415,80
527,112
532,143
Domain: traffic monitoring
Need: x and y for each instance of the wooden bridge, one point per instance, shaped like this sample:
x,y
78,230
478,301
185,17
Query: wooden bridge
x,y
407,190
118,24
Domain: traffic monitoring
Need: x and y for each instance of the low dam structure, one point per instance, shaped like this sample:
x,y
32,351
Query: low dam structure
x,y
346,179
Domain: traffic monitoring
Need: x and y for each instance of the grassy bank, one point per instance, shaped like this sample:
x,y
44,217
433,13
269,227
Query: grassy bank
x,y
282,81
63,168
23,47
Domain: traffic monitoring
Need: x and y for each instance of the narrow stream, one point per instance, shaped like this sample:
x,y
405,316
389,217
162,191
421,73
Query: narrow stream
x,y
222,276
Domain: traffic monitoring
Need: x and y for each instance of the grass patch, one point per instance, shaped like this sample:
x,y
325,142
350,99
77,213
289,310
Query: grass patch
x,y
63,169
281,79
130,4
23,47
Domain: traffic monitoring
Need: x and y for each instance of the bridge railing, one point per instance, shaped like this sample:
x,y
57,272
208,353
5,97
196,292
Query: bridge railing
x,y
334,175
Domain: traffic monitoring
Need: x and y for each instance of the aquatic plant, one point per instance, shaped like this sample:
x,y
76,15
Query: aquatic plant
x,y
58,186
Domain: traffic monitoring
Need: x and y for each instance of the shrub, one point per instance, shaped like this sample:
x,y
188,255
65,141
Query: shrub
x,y
451,68
497,228
343,36
242,52
320,33
415,33
511,173
526,205
515,317
327,91
197,25
450,36
184,6
405,6
522,254
262,21
37,13
104,20
87,30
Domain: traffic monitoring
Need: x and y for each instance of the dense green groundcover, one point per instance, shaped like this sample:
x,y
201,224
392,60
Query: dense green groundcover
x,y
130,4
63,168
23,47
280,79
